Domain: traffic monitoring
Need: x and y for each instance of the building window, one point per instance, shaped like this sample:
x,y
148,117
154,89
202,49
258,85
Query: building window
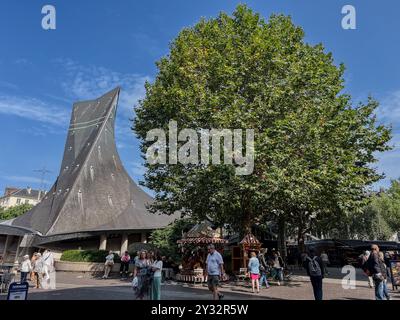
x,y
18,201
26,201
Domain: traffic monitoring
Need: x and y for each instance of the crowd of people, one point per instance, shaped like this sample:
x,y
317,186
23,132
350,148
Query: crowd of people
x,y
39,270
263,266
149,268
375,265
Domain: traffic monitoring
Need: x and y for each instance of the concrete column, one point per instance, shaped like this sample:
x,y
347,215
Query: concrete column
x,y
8,241
143,238
103,242
18,247
124,243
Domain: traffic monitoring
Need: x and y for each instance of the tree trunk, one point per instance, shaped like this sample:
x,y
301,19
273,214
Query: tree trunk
x,y
282,236
301,241
301,231
245,225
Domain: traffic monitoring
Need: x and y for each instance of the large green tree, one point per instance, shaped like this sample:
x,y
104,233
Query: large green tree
x,y
313,147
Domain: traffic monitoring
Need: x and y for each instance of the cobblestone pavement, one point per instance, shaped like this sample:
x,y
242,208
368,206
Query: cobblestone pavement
x,y
83,286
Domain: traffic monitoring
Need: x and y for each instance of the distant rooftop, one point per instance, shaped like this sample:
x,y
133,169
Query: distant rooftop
x,y
27,192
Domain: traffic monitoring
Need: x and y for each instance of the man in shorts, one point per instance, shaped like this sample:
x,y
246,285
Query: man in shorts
x,y
214,270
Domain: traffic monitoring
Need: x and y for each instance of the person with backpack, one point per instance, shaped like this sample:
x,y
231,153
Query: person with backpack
x,y
314,267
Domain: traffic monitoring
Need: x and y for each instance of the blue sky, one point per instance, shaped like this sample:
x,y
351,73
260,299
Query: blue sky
x,y
100,44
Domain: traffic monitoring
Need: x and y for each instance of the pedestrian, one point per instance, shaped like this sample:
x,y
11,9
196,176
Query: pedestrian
x,y
325,262
136,257
387,258
124,269
134,260
174,268
254,269
33,259
314,267
277,265
156,281
374,268
364,266
384,271
140,273
48,280
263,268
214,271
108,265
37,270
26,268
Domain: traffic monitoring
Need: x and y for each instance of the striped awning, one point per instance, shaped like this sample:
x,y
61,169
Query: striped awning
x,y
201,240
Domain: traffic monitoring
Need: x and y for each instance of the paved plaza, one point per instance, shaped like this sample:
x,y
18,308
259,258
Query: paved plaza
x,y
83,286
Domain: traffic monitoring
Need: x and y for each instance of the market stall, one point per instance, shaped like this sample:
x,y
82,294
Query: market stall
x,y
241,252
194,251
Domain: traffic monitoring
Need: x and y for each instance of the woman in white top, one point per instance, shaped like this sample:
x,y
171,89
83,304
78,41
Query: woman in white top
x,y
156,267
26,267
48,279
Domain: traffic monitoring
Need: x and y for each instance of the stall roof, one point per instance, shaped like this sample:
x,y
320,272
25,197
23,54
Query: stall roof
x,y
250,239
201,240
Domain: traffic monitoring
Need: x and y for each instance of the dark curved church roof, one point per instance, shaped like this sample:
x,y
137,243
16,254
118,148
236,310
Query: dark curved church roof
x,y
93,192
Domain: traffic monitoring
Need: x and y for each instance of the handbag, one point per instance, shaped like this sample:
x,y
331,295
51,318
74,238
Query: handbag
x,y
135,283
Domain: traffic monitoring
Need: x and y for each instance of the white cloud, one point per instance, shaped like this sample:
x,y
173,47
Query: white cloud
x,y
388,161
79,83
42,130
33,109
389,109
22,62
90,82
388,113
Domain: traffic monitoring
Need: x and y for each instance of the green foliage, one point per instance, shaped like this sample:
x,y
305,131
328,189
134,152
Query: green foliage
x,y
383,213
14,212
165,239
313,147
389,205
87,256
379,219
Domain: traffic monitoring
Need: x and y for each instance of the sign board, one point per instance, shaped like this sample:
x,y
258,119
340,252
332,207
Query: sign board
x,y
18,291
395,272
